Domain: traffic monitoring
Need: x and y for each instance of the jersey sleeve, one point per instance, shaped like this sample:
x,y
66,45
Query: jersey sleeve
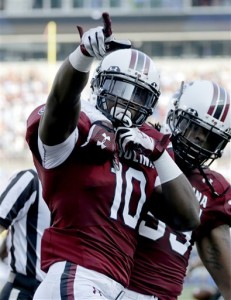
x,y
216,210
32,130
33,124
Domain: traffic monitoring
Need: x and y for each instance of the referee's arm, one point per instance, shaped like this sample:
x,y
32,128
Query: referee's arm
x,y
3,249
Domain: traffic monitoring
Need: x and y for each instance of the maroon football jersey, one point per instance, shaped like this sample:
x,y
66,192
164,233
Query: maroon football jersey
x,y
162,254
95,202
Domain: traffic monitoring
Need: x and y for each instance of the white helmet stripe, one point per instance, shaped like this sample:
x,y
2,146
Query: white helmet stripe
x,y
226,108
147,65
214,100
140,62
220,103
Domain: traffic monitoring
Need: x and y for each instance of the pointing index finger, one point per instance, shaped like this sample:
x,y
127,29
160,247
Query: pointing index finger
x,y
107,24
80,30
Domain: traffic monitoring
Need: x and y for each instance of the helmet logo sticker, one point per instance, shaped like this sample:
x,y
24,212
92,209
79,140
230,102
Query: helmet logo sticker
x,y
220,103
139,62
114,69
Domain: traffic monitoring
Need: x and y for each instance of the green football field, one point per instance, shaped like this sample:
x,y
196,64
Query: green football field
x,y
187,294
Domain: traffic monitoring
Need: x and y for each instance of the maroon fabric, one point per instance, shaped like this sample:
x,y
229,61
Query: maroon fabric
x,y
162,258
93,219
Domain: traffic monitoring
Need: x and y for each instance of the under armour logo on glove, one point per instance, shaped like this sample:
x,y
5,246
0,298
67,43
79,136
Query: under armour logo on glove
x,y
101,136
96,291
134,139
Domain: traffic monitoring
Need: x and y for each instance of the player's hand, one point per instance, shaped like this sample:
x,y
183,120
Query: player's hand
x,y
97,41
134,139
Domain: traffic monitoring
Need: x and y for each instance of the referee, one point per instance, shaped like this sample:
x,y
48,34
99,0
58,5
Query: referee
x,y
25,215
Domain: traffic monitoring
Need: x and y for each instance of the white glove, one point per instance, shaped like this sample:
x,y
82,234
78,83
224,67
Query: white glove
x,y
94,40
134,139
97,41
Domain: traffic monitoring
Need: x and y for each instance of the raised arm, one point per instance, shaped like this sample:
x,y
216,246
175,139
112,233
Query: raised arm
x,y
63,104
174,202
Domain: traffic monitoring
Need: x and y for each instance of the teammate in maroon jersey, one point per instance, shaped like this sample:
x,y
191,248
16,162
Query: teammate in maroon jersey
x,y
200,122
97,167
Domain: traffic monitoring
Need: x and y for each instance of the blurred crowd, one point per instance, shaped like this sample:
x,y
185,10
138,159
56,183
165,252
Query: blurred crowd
x,y
19,93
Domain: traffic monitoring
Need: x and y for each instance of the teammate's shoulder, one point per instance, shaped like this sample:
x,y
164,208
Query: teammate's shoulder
x,y
151,130
92,113
216,175
89,114
218,179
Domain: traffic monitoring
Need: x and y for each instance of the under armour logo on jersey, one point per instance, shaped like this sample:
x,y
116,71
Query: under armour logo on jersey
x,y
41,111
105,139
96,291
101,136
210,181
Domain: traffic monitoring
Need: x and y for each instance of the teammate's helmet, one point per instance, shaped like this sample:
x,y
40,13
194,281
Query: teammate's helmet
x,y
200,106
126,87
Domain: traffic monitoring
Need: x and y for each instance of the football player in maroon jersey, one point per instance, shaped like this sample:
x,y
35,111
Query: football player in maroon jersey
x,y
97,166
200,123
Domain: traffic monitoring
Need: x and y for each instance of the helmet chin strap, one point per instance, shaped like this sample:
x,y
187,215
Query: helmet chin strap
x,y
119,114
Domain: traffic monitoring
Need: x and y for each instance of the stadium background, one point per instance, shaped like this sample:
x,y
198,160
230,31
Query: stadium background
x,y
188,39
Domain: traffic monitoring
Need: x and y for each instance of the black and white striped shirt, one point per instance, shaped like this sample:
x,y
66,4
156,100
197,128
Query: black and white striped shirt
x,y
24,212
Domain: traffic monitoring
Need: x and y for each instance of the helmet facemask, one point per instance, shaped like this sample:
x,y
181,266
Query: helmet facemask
x,y
189,148
123,99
